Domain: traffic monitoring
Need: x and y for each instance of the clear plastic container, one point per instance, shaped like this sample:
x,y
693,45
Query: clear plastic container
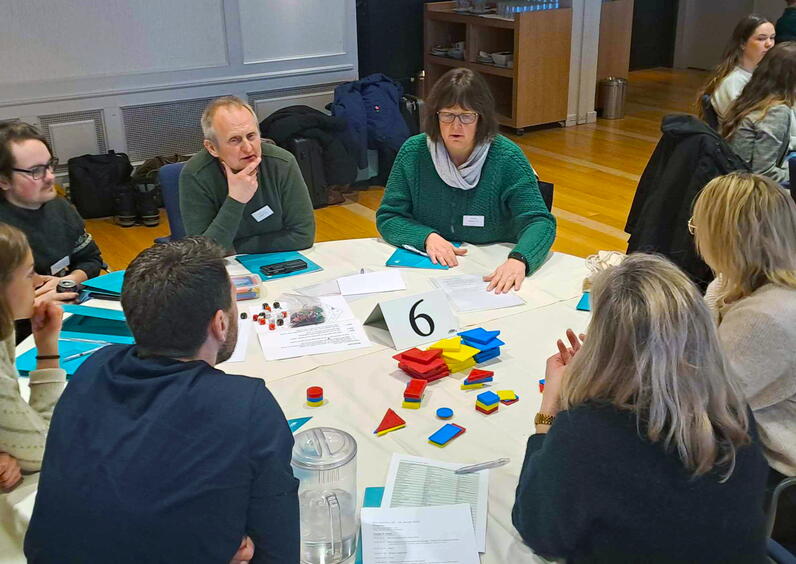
x,y
324,460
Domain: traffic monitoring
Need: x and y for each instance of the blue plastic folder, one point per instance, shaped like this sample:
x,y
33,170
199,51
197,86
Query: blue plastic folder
x,y
405,258
585,303
27,361
372,498
254,262
97,324
110,283
296,424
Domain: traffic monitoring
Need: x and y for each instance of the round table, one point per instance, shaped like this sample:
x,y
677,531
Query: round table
x,y
360,385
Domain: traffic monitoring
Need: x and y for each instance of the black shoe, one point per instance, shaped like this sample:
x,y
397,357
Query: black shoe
x,y
147,207
124,207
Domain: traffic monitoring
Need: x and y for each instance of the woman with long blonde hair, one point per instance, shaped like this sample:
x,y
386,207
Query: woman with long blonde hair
x,y
761,125
651,454
24,425
750,40
745,229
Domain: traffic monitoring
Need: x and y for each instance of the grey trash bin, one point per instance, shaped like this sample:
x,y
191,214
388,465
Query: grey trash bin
x,y
612,97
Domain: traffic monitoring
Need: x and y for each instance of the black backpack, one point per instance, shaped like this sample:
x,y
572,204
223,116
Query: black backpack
x,y
94,179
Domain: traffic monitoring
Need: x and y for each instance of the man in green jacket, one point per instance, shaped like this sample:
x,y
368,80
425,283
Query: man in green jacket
x,y
786,25
245,194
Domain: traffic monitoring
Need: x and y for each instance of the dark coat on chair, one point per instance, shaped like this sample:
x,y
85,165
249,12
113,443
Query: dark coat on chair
x,y
302,121
689,155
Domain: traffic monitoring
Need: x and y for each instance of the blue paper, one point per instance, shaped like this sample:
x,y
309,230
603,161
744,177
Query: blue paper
x,y
27,361
110,283
99,312
254,262
372,498
585,303
408,259
296,424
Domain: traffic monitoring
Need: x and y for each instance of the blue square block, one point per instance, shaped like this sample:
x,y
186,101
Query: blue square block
x,y
479,336
488,398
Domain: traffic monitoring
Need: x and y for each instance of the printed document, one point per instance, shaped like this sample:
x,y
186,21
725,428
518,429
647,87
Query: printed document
x,y
468,292
371,282
421,482
418,535
340,332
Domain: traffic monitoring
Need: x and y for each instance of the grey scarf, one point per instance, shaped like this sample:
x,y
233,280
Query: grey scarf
x,y
465,177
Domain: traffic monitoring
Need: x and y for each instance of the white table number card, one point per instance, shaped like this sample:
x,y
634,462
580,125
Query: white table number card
x,y
413,320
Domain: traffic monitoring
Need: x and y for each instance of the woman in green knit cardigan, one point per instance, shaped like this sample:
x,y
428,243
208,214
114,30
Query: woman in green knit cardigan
x,y
461,181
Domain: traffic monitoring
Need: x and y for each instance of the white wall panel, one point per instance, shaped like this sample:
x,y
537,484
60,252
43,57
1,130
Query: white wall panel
x,y
45,40
274,30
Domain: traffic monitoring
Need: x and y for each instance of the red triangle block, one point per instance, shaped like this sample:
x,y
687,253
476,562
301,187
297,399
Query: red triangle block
x,y
390,420
477,374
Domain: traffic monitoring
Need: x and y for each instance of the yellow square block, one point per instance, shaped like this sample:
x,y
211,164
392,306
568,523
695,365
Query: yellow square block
x,y
450,344
506,395
461,366
411,404
472,386
485,407
465,352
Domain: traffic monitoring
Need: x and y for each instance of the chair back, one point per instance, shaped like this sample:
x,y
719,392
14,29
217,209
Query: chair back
x,y
169,178
711,117
546,190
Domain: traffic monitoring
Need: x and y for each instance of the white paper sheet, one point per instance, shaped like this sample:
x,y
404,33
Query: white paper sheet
x,y
467,292
421,482
341,332
418,535
372,282
244,330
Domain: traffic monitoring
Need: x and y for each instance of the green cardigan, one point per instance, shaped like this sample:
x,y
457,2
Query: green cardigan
x,y
417,203
208,210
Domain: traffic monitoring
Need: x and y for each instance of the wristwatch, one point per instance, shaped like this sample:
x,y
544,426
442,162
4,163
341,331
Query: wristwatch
x,y
519,256
543,419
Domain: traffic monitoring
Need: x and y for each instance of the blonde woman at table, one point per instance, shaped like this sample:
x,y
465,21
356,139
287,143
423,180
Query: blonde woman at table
x,y
745,228
23,425
461,181
645,449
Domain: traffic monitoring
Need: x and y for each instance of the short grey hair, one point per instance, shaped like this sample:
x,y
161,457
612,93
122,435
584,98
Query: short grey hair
x,y
210,111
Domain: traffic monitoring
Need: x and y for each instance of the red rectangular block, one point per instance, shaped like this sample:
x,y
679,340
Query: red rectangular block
x,y
415,388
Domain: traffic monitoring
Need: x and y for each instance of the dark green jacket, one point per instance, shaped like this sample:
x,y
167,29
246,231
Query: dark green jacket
x,y
786,26
417,202
208,210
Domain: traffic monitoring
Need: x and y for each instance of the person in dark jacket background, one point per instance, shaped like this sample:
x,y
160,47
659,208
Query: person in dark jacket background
x,y
62,248
153,455
645,449
786,25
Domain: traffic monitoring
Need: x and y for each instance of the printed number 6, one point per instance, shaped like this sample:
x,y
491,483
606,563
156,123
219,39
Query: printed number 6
x,y
413,320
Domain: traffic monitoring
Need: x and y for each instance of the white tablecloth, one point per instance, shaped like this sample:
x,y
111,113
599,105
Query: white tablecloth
x,y
360,385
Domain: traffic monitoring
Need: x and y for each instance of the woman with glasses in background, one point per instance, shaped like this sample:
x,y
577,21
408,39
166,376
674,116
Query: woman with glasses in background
x,y
461,181
62,249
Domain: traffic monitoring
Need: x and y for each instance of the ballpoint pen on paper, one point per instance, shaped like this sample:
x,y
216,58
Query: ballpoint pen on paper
x,y
82,354
482,466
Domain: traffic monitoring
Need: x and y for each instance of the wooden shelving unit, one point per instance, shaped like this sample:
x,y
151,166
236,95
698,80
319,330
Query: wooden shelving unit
x,y
536,89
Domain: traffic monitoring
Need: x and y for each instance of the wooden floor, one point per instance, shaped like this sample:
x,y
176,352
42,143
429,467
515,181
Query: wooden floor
x,y
595,169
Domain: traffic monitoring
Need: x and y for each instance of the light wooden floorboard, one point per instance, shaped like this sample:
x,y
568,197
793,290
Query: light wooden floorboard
x,y
595,169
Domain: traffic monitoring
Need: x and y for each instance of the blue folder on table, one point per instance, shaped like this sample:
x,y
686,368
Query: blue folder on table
x,y
372,498
26,362
585,302
405,258
254,262
110,283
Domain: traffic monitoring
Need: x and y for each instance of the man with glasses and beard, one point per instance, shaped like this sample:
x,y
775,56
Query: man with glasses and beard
x,y
154,455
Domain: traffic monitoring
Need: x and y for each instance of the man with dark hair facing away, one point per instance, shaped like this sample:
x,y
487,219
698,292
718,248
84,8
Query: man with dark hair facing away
x,y
153,454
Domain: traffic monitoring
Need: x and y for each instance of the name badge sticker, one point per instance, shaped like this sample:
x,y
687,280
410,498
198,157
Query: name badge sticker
x,y
473,221
59,266
262,213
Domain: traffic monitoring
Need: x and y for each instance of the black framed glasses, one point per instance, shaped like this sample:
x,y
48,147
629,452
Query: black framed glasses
x,y
466,118
39,171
